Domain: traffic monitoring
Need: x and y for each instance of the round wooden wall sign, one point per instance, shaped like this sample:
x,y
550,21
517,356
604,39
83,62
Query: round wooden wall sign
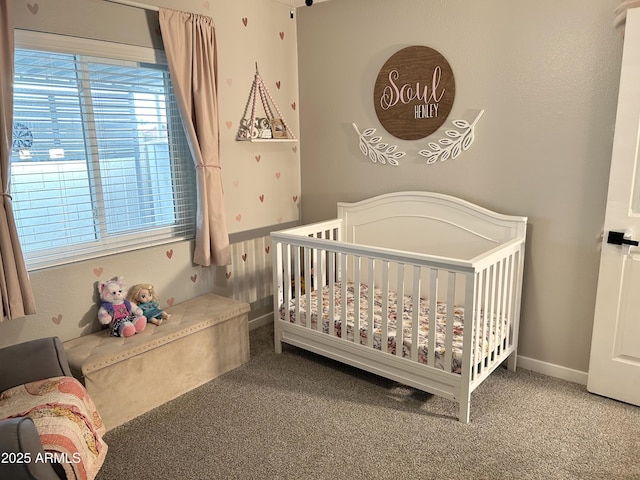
x,y
414,92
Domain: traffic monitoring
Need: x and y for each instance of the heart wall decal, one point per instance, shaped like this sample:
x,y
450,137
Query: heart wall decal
x,y
33,8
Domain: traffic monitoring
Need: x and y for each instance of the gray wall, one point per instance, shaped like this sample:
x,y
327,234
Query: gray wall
x,y
545,72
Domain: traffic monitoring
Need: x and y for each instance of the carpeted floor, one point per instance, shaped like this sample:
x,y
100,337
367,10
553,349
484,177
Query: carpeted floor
x,y
300,416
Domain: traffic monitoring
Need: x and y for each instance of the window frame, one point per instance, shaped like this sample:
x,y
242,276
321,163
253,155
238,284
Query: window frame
x,y
113,53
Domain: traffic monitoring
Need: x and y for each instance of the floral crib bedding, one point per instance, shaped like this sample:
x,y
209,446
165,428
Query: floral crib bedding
x,y
407,312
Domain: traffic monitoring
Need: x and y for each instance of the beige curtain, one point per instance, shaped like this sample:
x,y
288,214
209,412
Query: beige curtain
x,y
15,287
190,45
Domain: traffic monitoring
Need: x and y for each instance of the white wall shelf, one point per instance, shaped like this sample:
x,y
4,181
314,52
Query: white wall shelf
x,y
268,128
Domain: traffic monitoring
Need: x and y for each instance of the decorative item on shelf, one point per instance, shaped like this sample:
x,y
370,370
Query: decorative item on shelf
x,y
278,129
270,127
377,151
455,142
261,128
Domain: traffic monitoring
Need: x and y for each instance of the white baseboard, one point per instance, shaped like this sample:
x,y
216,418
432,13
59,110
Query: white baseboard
x,y
552,370
260,321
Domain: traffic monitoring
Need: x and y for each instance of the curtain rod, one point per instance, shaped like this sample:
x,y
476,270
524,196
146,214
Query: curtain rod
x,y
144,6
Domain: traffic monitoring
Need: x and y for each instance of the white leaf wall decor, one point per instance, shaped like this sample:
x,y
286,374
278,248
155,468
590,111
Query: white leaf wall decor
x,y
454,143
376,150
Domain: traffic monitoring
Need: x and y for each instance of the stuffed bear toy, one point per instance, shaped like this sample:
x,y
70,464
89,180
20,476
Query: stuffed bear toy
x,y
125,319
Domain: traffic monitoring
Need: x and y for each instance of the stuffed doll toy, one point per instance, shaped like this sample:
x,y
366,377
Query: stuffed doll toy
x,y
125,319
144,296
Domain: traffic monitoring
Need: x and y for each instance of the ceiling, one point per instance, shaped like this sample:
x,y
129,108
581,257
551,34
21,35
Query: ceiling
x,y
297,3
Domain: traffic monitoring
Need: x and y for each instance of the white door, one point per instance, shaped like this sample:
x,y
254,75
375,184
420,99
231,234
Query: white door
x,y
614,369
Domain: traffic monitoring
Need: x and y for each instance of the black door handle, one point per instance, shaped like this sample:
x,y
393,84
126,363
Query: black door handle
x,y
617,238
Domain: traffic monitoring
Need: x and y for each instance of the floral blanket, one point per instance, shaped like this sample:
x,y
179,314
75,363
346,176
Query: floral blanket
x,y
406,315
67,421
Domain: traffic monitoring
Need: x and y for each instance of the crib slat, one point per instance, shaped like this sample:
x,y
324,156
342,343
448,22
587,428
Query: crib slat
x,y
483,337
451,291
316,283
318,279
319,273
332,292
480,321
433,315
400,310
476,315
307,285
371,306
415,314
384,347
512,263
339,266
356,299
316,269
492,311
498,348
297,288
343,299
495,325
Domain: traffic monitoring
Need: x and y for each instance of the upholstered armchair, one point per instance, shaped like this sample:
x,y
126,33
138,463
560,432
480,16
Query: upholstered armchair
x,y
19,364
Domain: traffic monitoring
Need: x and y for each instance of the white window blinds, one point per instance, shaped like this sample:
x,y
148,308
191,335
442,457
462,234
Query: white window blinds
x,y
100,162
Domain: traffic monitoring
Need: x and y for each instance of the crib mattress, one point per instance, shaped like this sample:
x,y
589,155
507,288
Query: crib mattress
x,y
407,313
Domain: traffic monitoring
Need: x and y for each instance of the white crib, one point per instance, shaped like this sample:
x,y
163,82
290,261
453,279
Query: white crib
x,y
360,289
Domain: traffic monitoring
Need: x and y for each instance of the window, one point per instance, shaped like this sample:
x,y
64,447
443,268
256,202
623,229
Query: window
x,y
100,163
